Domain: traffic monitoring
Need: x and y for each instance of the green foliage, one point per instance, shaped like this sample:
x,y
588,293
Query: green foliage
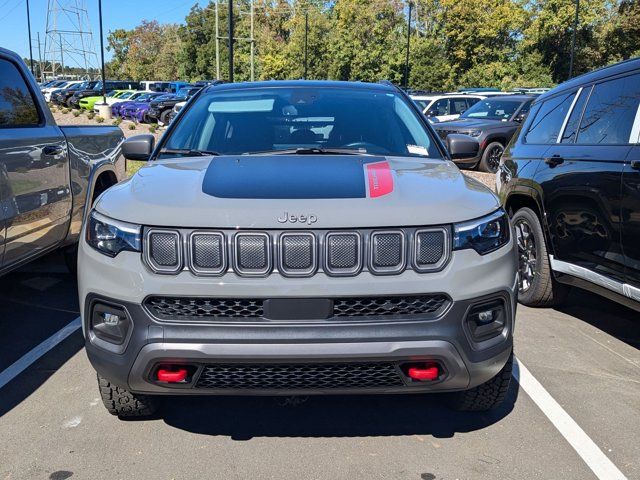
x,y
76,113
116,122
99,119
132,126
454,43
153,128
91,115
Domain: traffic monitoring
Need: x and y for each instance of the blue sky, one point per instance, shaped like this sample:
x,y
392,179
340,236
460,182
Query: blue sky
x,y
116,14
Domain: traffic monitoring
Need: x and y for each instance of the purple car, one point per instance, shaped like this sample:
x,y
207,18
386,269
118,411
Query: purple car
x,y
118,108
137,110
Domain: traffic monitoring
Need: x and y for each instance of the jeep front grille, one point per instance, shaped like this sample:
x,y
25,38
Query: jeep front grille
x,y
302,376
199,309
297,253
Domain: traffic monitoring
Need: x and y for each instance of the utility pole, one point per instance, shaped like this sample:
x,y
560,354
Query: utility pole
x,y
230,41
104,87
61,53
573,38
217,44
40,59
306,41
406,61
253,46
29,32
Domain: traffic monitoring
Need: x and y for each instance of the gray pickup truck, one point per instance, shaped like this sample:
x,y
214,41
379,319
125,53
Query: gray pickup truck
x,y
48,173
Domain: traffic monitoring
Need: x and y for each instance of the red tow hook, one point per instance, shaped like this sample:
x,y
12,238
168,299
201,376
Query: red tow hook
x,y
423,372
174,375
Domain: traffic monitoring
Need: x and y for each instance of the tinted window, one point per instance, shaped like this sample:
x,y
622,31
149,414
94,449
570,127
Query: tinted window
x,y
571,129
17,107
610,112
457,106
472,101
440,107
545,127
493,109
237,121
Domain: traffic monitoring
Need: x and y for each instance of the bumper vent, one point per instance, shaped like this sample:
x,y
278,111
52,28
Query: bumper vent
x,y
306,376
246,309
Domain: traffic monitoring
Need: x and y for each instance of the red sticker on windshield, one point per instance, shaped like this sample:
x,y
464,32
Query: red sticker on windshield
x,y
380,179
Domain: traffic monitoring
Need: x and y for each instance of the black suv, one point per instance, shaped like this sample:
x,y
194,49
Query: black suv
x,y
492,122
571,181
160,110
61,97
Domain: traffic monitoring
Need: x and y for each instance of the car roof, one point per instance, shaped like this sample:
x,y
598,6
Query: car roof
x,y
381,87
517,98
616,69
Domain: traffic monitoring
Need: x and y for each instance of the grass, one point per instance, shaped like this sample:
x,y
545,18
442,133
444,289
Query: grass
x,y
133,166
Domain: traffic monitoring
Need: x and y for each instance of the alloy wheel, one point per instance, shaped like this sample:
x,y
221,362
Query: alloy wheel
x,y
527,258
493,158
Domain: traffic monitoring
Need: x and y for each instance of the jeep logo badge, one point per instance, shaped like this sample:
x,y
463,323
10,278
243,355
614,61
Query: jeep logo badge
x,y
287,217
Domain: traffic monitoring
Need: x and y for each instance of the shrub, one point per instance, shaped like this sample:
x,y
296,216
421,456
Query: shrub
x,y
76,113
117,121
99,119
65,110
153,128
132,126
90,115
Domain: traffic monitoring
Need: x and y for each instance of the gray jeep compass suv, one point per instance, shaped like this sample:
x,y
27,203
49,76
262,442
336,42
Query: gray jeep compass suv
x,y
296,238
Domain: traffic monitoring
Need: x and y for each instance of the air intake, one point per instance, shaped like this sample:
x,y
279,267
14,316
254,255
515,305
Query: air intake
x,y
207,253
164,250
252,254
343,253
431,249
387,252
297,254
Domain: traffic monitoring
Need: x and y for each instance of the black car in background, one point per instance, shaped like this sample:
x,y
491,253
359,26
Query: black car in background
x,y
492,122
74,100
160,110
571,181
61,97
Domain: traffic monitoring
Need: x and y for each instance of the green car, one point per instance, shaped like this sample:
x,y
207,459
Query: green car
x,y
114,96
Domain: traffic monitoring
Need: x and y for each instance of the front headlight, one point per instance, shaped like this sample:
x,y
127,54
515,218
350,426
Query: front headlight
x,y
475,133
111,237
484,235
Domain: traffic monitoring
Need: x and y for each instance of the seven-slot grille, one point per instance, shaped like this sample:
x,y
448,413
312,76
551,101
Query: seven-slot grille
x,y
296,253
211,309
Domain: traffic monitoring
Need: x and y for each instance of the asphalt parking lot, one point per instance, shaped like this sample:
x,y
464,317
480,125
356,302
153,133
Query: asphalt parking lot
x,y
585,356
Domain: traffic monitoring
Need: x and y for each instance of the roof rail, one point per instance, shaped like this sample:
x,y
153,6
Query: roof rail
x,y
387,82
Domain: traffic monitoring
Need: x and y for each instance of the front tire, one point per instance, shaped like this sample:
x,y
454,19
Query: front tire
x,y
486,396
536,285
491,156
119,401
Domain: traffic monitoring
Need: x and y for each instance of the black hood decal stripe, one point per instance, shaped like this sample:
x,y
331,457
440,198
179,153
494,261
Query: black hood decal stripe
x,y
287,176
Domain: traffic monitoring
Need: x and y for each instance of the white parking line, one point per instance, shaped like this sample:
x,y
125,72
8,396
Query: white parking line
x,y
34,354
595,459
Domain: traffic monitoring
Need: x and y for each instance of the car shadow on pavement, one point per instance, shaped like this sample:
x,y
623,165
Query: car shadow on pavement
x,y
243,418
36,301
612,318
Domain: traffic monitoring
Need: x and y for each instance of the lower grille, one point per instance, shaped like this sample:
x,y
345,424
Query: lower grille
x,y
238,309
306,376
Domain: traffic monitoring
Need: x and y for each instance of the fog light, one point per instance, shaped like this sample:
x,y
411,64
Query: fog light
x,y
487,320
110,323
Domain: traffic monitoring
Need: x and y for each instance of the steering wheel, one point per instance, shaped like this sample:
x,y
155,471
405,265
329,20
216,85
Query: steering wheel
x,y
368,146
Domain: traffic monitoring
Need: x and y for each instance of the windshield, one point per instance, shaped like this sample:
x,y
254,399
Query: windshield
x,y
260,120
493,109
125,94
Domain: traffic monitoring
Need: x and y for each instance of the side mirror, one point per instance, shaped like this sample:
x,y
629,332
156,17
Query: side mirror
x,y
462,146
138,147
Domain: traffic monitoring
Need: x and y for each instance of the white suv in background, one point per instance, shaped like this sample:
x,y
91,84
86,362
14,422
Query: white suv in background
x,y
445,107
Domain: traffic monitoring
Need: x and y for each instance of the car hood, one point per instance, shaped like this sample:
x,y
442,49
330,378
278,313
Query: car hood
x,y
467,123
269,191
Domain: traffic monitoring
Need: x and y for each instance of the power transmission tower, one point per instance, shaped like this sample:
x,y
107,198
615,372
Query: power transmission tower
x,y
68,36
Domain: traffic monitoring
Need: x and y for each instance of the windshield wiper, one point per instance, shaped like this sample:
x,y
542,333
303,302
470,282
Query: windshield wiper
x,y
311,151
188,152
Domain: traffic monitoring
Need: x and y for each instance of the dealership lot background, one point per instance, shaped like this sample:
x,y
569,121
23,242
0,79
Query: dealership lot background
x,y
573,411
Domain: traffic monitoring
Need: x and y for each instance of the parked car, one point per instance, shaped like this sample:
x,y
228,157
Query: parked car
x,y
47,92
169,87
160,109
89,103
110,85
49,175
491,121
571,181
61,97
446,106
174,111
134,100
138,111
283,239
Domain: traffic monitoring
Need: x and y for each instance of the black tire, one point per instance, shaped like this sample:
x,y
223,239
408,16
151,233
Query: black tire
x,y
536,285
485,396
71,258
119,401
490,160
164,117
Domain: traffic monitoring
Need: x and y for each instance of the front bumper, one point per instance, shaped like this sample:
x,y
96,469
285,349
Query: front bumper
x,y
469,279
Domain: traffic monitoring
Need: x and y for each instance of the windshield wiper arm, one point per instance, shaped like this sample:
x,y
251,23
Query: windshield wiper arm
x,y
189,153
310,151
